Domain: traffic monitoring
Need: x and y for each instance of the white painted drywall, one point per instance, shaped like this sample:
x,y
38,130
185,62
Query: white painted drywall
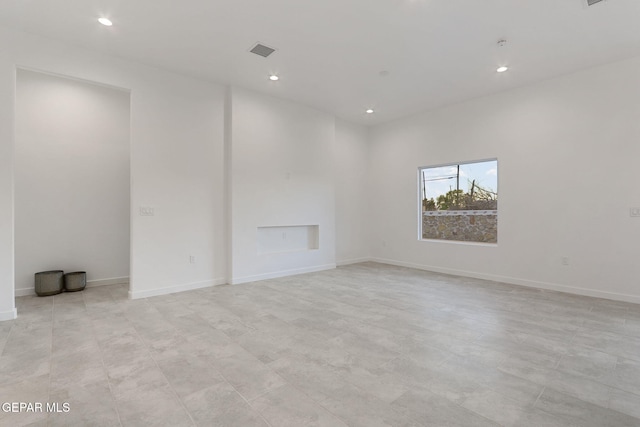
x,y
351,160
281,175
71,178
177,155
176,164
567,153
7,85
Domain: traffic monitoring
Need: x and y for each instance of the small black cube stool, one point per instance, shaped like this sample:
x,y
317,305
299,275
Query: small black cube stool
x,y
49,282
75,281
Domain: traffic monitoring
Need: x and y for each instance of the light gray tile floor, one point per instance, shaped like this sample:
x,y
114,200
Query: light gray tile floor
x,y
363,345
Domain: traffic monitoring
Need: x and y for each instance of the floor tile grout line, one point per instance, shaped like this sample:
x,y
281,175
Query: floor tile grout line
x,y
637,394
610,389
106,373
539,395
244,398
11,330
609,399
598,381
53,318
175,393
291,385
477,413
562,417
556,415
320,403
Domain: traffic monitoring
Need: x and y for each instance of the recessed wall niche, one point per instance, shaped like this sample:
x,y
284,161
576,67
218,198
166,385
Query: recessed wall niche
x,y
72,181
288,238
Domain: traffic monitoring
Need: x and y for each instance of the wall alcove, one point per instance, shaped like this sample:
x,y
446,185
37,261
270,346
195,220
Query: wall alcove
x,y
72,179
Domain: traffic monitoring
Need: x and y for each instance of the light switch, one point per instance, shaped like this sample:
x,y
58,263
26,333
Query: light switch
x,y
634,211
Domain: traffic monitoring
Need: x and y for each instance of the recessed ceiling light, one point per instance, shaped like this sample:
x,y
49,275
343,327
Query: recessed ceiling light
x,y
274,78
106,22
369,111
502,69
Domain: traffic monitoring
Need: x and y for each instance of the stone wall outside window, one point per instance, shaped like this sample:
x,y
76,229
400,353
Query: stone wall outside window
x,y
465,226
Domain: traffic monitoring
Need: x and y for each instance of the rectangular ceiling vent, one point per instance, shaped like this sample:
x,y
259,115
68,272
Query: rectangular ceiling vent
x,y
262,50
592,2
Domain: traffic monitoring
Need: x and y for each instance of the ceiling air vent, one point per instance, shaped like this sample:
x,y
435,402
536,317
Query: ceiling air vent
x,y
592,2
262,50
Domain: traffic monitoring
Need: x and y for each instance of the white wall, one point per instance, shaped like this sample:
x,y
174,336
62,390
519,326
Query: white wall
x,y
7,84
176,164
71,179
351,160
567,150
281,175
178,169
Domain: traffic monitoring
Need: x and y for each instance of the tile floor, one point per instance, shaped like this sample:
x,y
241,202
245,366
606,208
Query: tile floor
x,y
364,345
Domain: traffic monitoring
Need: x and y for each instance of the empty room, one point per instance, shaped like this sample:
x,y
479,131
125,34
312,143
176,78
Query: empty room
x,y
322,213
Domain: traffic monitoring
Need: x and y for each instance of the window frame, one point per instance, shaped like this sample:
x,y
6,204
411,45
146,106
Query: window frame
x,y
420,195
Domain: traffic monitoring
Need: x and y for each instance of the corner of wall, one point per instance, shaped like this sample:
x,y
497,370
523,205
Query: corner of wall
x,y
228,220
8,315
7,197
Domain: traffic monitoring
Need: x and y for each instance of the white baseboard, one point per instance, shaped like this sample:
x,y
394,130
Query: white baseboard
x,y
25,292
516,281
352,261
107,282
282,273
8,315
177,288
219,281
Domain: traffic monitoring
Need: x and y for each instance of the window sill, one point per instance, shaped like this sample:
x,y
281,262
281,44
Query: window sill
x,y
460,242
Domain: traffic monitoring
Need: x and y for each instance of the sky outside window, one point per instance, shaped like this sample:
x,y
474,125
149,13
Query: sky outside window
x,y
440,180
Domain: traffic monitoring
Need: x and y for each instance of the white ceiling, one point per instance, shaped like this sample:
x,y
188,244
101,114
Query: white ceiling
x,y
331,52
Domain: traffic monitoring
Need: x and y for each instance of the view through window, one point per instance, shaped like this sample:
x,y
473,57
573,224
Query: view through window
x,y
460,201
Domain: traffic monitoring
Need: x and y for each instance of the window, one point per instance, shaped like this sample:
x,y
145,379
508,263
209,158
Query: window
x,y
460,202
